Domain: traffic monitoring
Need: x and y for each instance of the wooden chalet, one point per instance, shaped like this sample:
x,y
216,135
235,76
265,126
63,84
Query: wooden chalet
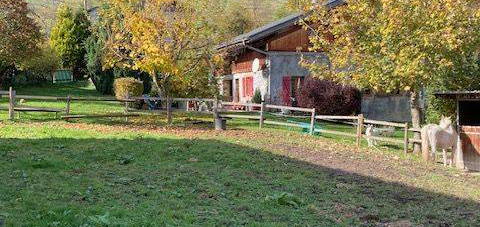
x,y
267,59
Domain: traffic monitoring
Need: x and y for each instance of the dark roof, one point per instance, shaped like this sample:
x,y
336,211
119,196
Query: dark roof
x,y
458,95
264,31
334,3
273,27
93,9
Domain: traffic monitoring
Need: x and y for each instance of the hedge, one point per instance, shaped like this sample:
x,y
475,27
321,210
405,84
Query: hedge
x,y
329,98
128,87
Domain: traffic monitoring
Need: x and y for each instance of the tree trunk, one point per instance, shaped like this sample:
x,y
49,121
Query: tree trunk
x,y
416,118
169,111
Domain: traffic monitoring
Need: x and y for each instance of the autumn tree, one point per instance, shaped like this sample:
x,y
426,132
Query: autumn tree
x,y
68,38
396,46
18,39
40,67
170,39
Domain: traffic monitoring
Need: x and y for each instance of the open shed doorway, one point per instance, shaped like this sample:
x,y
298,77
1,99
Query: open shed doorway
x,y
469,125
469,112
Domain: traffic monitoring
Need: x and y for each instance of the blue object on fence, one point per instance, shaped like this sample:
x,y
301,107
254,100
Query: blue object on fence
x,y
152,105
305,127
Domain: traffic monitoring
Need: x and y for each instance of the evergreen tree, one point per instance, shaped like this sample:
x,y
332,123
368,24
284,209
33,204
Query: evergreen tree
x,y
68,39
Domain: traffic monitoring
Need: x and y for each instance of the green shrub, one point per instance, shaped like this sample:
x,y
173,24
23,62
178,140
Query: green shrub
x,y
7,75
257,97
127,87
39,68
142,76
103,81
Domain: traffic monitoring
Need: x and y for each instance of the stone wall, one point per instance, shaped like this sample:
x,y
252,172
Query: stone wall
x,y
387,108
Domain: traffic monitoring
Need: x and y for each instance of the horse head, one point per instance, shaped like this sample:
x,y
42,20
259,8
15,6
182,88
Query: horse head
x,y
445,122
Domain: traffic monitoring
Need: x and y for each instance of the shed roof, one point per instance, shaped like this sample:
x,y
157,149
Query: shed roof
x,y
269,29
473,95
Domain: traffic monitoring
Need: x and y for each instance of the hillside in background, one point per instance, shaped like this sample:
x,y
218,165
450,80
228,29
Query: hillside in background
x,y
44,10
259,12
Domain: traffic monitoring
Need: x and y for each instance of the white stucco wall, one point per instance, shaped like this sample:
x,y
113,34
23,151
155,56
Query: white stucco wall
x,y
269,80
260,82
288,64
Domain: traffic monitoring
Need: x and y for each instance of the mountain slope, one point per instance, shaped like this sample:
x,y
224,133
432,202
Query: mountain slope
x,y
44,10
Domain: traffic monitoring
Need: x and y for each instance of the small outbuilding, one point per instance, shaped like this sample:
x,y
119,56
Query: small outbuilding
x,y
468,127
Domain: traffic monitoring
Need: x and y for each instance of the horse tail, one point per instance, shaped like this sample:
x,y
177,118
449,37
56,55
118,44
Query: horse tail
x,y
425,142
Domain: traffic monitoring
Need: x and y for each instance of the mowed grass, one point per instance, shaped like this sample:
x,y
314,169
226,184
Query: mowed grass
x,y
56,176
106,172
77,89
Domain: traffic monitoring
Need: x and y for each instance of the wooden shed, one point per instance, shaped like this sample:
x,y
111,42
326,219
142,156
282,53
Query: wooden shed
x,y
468,127
62,76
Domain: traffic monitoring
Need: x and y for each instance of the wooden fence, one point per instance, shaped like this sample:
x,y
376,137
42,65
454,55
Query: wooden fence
x,y
260,111
358,121
263,110
13,107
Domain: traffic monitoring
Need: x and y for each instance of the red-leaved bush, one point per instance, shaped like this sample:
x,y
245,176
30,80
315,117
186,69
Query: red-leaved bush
x,y
329,98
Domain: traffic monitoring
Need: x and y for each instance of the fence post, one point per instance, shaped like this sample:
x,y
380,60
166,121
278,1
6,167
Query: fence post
x,y
312,123
127,100
405,138
262,114
216,115
67,110
359,130
126,106
215,108
11,104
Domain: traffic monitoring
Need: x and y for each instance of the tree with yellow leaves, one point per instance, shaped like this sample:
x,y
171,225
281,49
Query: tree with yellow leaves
x,y
169,39
396,45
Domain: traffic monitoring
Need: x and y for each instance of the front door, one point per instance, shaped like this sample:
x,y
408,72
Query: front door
x,y
228,90
236,91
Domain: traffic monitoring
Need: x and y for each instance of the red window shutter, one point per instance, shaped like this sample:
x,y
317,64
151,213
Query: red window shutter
x,y
286,91
250,86
243,87
244,84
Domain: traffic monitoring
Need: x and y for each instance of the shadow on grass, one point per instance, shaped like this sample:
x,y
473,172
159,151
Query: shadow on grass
x,y
147,181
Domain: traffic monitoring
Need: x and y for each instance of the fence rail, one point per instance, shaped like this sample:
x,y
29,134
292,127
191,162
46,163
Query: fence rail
x,y
307,110
324,117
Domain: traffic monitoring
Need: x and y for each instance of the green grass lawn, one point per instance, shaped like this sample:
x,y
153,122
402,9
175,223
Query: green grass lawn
x,y
78,89
141,173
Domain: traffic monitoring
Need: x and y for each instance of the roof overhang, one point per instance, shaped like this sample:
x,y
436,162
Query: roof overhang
x,y
458,95
270,29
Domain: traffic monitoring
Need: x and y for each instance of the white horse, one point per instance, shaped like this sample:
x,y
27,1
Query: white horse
x,y
441,136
